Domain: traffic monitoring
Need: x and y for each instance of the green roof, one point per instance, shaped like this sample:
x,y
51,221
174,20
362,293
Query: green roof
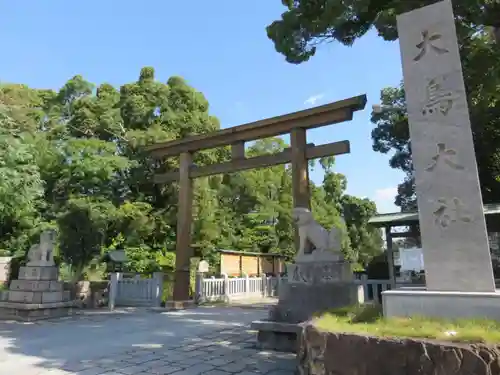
x,y
405,218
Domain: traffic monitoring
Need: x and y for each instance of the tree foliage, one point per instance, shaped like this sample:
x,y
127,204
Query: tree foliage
x,y
21,186
73,160
307,23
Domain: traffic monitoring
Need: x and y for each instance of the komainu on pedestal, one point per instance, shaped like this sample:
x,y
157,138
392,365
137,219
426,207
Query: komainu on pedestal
x,y
38,293
319,280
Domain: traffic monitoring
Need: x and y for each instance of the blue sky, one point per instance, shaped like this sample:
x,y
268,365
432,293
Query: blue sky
x,y
221,49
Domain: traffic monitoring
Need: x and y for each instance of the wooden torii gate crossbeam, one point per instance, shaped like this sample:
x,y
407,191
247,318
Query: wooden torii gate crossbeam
x,y
298,154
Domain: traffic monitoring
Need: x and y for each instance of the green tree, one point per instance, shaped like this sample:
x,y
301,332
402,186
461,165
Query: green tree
x,y
83,226
362,242
21,187
84,167
73,159
93,151
257,204
206,229
284,223
152,112
392,134
306,24
365,239
24,107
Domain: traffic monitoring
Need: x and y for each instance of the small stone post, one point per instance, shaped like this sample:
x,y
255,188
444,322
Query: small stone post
x,y
265,292
158,287
247,285
198,288
226,287
199,295
113,289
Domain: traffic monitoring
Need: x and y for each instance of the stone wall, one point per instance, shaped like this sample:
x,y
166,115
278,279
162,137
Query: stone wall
x,y
324,353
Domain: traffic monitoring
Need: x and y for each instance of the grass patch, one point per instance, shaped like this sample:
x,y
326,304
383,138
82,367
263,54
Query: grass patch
x,y
368,320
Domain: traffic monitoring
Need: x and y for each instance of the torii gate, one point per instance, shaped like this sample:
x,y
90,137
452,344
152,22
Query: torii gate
x,y
298,154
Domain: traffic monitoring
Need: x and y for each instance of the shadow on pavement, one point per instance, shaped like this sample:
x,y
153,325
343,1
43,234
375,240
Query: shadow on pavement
x,y
138,341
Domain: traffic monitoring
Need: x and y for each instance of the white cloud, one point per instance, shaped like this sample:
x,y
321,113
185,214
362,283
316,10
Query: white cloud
x,y
384,198
312,100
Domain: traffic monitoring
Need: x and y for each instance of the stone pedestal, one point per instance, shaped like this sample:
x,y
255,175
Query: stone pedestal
x,y
312,287
37,294
407,302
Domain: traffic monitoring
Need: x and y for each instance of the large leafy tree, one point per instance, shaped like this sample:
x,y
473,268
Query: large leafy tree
x,y
83,226
72,159
152,112
21,187
102,155
482,77
362,241
21,181
366,240
308,23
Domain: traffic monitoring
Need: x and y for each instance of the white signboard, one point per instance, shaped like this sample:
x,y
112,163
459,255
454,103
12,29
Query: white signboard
x,y
412,259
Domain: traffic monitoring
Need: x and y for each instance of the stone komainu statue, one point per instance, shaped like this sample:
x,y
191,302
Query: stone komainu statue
x,y
313,237
42,253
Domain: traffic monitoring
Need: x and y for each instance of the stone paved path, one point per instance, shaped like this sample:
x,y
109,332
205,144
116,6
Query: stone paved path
x,y
208,341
